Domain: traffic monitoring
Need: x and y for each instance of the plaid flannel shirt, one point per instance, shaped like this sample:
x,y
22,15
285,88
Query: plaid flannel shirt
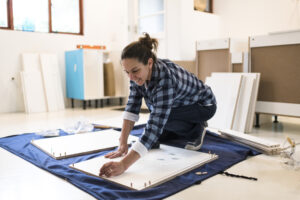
x,y
170,86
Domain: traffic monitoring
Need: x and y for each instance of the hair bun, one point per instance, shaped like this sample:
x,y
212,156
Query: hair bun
x,y
149,42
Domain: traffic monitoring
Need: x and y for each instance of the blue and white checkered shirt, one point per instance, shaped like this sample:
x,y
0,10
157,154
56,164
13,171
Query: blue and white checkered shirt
x,y
170,86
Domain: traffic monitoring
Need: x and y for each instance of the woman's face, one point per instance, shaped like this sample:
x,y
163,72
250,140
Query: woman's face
x,y
137,71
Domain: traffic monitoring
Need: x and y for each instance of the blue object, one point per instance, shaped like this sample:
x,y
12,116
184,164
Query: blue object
x,y
229,154
74,74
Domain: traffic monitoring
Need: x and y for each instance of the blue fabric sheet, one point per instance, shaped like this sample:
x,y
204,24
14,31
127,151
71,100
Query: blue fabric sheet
x,y
229,154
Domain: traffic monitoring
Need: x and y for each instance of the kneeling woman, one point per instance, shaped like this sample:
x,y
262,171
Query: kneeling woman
x,y
178,101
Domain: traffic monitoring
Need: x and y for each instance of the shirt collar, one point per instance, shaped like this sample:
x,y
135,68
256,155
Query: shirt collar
x,y
154,76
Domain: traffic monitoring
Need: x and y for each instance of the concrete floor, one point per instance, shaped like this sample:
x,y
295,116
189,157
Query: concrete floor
x,y
21,180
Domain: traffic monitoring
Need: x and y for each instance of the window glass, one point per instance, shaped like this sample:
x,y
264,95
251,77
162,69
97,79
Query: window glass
x,y
153,24
65,16
3,13
31,15
147,7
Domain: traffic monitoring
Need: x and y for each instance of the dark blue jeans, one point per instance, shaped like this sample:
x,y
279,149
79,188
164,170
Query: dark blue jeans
x,y
187,121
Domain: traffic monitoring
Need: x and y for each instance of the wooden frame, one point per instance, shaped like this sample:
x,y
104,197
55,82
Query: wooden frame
x,y
277,58
11,24
9,16
212,56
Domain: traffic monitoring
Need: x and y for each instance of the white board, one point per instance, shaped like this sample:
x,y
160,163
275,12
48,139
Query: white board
x,y
31,62
157,167
213,44
93,74
33,92
243,105
251,112
80,144
279,108
226,90
117,122
52,82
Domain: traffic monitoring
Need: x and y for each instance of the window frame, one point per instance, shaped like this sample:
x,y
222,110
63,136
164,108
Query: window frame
x,y
10,19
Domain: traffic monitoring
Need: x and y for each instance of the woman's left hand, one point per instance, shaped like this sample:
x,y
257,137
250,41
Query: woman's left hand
x,y
112,169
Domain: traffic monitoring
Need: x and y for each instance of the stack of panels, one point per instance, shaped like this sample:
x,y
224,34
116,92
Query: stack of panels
x,y
41,84
260,144
236,95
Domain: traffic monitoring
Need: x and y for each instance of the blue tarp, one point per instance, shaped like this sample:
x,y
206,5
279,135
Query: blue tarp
x,y
229,154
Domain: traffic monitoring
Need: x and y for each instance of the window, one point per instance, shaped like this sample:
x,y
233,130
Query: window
x,y
65,16
31,15
151,16
53,16
3,14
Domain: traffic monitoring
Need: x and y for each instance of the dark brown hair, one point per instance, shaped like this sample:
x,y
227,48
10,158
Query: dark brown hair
x,y
142,50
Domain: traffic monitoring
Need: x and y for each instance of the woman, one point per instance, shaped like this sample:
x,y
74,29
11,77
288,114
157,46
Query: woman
x,y
179,103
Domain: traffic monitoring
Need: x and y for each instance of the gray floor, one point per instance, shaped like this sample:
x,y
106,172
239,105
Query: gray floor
x,y
22,180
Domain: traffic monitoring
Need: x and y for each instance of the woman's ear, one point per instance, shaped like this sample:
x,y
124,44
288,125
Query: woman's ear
x,y
150,62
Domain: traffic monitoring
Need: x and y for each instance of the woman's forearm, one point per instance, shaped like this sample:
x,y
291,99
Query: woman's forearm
x,y
126,128
130,158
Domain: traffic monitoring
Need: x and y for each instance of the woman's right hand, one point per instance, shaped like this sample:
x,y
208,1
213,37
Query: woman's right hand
x,y
122,151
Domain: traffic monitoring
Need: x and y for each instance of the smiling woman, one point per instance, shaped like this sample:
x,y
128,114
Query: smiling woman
x,y
179,104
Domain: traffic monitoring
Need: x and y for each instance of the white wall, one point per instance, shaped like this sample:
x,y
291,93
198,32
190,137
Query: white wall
x,y
242,18
195,26
185,26
104,24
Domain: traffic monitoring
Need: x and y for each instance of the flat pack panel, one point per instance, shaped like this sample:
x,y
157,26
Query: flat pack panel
x,y
157,167
280,69
33,92
31,62
275,39
287,109
246,137
52,82
213,44
226,90
209,61
117,122
252,106
80,144
237,57
244,100
93,74
262,145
